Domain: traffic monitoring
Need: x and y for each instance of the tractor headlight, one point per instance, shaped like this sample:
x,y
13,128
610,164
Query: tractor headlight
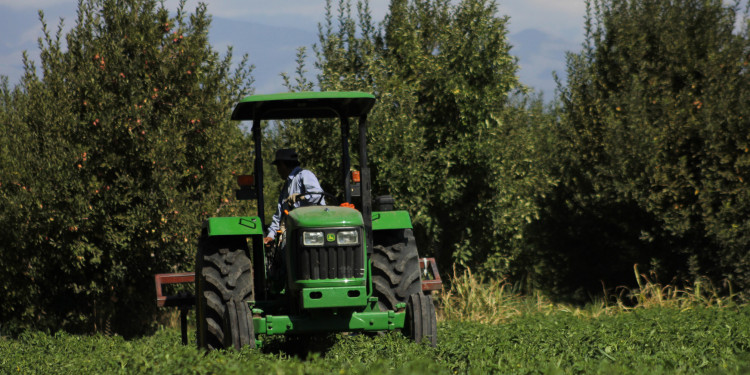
x,y
347,237
313,238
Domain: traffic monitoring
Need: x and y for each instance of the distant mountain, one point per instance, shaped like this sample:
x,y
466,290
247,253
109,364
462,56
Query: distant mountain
x,y
272,49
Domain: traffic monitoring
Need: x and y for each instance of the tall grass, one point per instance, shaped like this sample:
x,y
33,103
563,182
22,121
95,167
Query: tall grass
x,y
491,301
652,293
474,298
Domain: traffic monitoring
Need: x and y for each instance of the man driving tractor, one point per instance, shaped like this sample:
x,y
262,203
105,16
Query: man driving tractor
x,y
343,268
301,188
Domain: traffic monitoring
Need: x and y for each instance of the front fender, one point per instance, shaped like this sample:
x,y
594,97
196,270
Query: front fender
x,y
233,226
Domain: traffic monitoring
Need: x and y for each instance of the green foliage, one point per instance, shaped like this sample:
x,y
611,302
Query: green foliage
x,y
652,150
452,137
120,145
111,158
646,341
653,341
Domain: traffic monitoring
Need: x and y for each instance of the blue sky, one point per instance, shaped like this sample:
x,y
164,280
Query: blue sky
x,y
541,31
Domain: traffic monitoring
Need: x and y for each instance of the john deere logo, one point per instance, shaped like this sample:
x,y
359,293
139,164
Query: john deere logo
x,y
330,237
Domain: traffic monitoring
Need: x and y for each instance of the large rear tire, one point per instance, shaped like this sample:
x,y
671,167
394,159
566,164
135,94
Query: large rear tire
x,y
224,283
395,267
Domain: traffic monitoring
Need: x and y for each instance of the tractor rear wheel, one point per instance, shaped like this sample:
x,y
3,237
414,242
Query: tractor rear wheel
x,y
395,267
421,322
224,283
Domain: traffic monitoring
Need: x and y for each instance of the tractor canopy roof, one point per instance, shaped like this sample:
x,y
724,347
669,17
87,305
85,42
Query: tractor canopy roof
x,y
327,104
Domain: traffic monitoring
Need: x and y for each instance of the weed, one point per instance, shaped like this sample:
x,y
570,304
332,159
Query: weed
x,y
476,299
651,293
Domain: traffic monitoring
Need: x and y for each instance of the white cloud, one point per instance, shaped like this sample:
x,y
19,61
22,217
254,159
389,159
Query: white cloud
x,y
11,66
33,4
29,36
309,12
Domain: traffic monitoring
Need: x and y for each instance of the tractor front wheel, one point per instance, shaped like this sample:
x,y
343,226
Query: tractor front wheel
x,y
224,284
396,280
421,322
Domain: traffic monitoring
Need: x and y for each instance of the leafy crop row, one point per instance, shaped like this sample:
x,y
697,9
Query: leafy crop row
x,y
119,145
643,341
658,340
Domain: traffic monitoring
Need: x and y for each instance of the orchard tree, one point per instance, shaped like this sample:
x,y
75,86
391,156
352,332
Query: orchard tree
x,y
445,138
654,155
115,151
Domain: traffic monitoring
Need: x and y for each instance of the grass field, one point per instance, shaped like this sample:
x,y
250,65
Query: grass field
x,y
484,328
654,341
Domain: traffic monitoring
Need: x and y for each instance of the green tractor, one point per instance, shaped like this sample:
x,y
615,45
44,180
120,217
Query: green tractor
x,y
346,268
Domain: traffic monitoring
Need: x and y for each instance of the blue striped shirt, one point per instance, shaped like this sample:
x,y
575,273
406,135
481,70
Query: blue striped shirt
x,y
300,181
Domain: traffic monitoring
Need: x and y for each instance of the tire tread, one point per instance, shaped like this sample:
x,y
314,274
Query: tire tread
x,y
395,266
225,282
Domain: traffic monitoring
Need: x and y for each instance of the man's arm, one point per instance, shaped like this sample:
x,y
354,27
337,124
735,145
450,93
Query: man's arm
x,y
275,220
312,186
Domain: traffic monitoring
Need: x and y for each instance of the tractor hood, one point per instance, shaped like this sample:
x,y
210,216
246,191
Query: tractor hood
x,y
324,217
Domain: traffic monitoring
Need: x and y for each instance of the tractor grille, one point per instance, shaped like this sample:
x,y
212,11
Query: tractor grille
x,y
330,262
